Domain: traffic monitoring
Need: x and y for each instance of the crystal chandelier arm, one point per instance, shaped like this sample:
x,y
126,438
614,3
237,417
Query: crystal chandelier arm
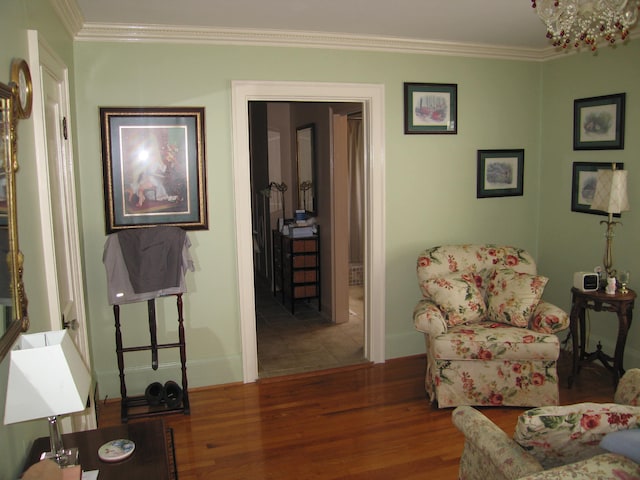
x,y
587,22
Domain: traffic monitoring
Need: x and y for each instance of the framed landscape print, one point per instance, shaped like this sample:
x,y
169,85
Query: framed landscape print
x,y
583,185
153,167
500,173
430,108
598,123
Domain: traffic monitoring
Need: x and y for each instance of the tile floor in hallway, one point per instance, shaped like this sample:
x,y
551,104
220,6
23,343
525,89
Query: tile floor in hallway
x,y
306,341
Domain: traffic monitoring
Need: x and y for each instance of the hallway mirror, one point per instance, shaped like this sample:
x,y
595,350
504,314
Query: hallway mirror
x,y
306,164
15,103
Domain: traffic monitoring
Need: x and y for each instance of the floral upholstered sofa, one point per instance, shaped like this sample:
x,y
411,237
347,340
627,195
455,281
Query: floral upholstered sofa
x,y
490,339
585,441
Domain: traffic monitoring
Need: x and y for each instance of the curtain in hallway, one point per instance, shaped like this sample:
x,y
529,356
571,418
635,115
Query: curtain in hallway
x,y
356,186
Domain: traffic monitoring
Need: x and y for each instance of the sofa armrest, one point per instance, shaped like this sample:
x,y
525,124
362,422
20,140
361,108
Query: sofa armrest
x,y
488,451
427,318
628,391
547,318
608,465
558,435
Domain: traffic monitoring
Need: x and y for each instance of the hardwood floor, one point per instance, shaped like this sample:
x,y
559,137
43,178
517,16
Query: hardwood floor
x,y
361,422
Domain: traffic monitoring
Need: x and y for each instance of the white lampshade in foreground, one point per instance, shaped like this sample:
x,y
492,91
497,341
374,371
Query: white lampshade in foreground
x,y
611,191
47,377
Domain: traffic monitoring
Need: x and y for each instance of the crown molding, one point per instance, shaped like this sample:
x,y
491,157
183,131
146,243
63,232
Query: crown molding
x,y
284,38
69,14
73,20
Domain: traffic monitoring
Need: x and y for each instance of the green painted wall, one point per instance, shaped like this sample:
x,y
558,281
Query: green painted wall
x,y
431,179
571,241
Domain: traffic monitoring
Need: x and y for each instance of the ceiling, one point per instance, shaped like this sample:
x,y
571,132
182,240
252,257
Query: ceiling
x,y
502,23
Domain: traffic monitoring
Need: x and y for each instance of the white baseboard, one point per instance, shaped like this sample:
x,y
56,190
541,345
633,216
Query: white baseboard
x,y
199,374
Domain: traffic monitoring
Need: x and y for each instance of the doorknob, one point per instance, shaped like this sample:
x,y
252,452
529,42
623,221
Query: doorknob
x,y
71,325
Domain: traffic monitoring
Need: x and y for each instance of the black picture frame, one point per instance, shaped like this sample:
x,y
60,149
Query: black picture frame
x,y
599,122
583,185
154,167
500,173
430,108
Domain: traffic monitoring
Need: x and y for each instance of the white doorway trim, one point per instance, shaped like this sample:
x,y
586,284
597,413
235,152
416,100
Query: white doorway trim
x,y
372,98
56,187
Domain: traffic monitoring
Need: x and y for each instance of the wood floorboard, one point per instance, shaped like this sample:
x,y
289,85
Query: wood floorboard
x,y
370,422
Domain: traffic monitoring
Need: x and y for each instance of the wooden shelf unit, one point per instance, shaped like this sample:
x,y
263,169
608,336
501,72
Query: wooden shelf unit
x,y
296,268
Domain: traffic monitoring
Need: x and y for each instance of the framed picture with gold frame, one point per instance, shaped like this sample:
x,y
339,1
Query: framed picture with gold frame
x,y
154,167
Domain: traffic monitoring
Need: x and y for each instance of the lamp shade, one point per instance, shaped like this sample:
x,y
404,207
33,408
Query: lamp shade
x,y
611,191
47,377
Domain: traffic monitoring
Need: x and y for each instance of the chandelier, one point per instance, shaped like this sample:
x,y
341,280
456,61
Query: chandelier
x,y
577,22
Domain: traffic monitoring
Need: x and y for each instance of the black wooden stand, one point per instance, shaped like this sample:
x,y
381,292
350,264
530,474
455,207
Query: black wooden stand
x,y
137,406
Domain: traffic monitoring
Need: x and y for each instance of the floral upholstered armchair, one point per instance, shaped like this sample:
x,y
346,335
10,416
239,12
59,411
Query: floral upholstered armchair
x,y
490,339
584,441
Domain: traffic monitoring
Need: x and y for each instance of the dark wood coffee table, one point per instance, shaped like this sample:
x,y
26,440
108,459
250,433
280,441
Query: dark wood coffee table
x,y
152,458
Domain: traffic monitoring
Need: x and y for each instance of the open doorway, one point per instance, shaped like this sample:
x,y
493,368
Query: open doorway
x,y
307,165
371,96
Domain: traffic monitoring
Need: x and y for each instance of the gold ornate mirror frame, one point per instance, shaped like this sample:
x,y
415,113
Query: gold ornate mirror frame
x,y
15,104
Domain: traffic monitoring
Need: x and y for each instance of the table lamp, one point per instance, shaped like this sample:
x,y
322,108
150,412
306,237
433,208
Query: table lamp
x,y
611,197
47,378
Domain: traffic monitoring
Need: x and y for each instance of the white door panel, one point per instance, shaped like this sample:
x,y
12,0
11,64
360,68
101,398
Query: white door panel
x,y
60,226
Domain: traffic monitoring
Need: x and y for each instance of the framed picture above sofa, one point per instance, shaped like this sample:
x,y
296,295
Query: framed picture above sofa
x,y
500,173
